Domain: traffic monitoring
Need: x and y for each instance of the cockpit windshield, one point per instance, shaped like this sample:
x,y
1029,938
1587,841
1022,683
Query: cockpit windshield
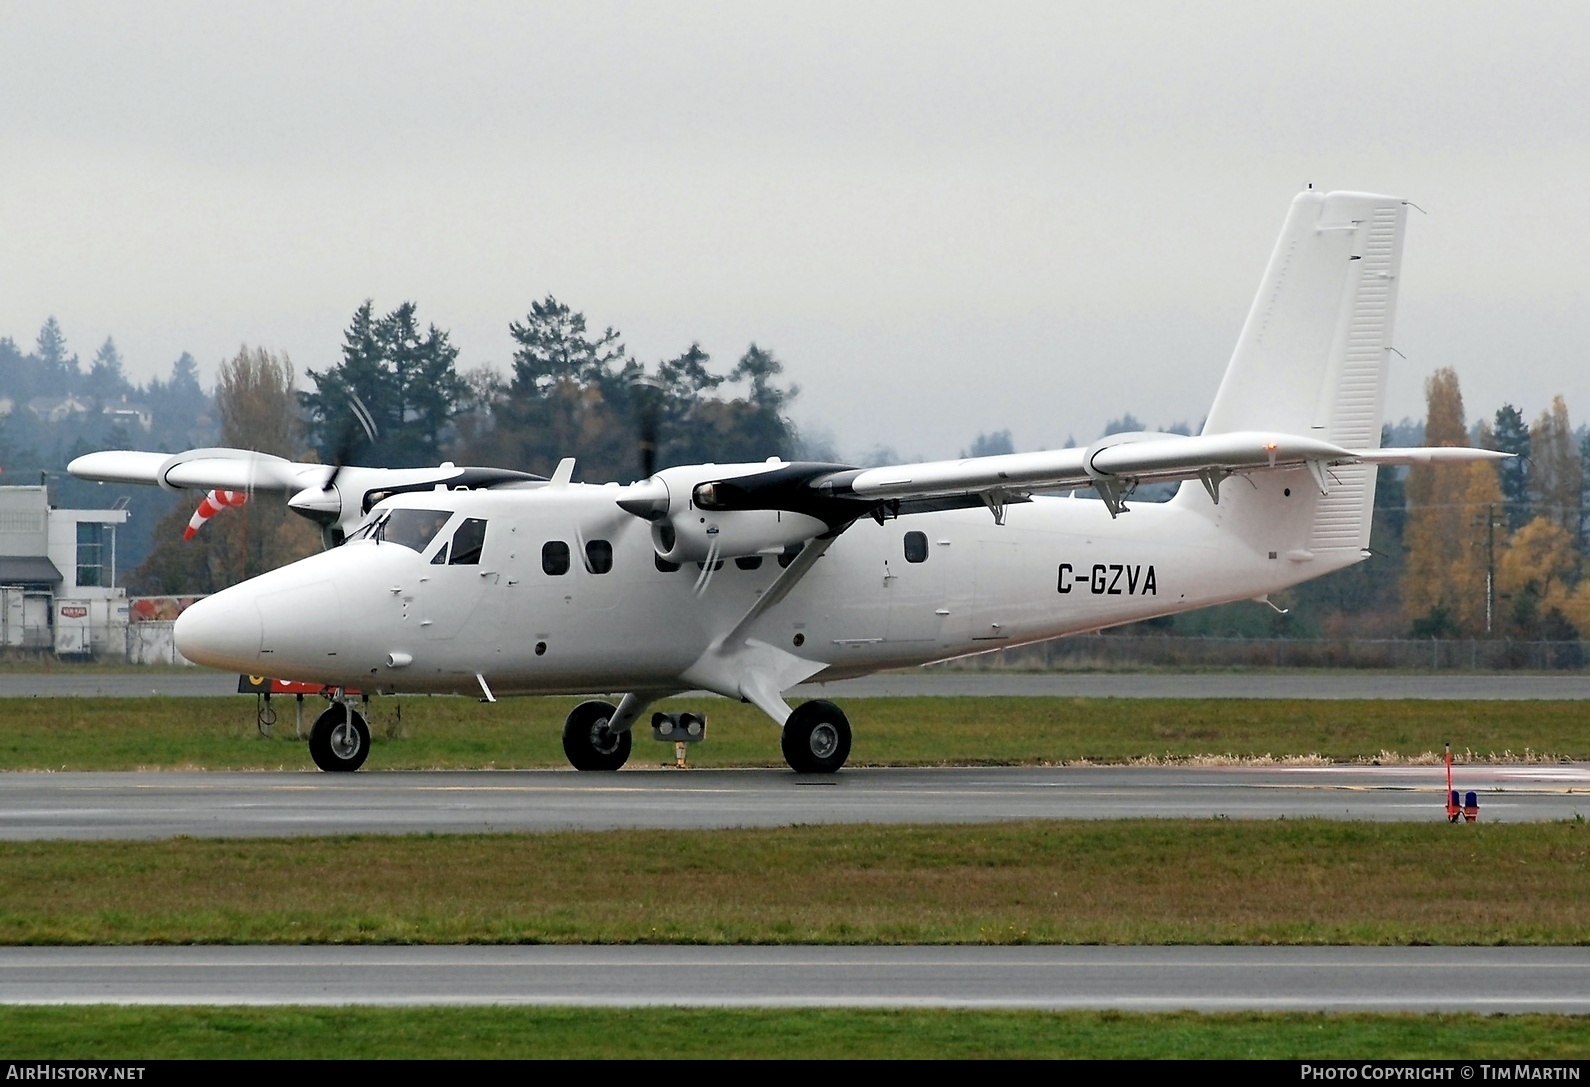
x,y
411,528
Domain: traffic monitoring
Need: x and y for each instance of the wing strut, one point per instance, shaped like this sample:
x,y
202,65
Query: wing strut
x,y
780,588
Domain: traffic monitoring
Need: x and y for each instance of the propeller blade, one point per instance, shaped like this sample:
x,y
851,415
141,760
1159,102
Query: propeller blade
x,y
348,436
648,397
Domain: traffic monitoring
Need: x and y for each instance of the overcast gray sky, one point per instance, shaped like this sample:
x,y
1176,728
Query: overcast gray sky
x,y
945,219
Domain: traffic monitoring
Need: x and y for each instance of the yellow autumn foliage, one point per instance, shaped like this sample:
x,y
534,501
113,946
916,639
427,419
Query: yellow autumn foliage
x,y
1542,561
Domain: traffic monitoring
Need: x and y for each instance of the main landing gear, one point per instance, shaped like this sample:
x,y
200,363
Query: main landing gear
x,y
816,735
340,739
816,738
588,741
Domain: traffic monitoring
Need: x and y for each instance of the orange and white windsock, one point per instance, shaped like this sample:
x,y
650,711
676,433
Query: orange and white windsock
x,y
213,503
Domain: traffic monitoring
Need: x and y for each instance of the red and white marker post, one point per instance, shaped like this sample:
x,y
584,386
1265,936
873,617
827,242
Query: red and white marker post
x,y
1469,810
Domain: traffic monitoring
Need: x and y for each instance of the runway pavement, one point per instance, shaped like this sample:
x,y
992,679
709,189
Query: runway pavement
x,y
215,804
1308,685
1364,979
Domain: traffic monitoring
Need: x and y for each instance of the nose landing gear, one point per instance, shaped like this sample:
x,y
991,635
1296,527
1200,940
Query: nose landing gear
x,y
588,741
816,738
340,739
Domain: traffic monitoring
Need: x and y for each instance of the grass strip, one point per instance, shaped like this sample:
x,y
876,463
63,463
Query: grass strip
x,y
456,733
154,1033
1128,882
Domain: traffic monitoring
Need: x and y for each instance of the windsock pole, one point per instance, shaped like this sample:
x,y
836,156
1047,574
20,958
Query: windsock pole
x,y
213,503
1454,810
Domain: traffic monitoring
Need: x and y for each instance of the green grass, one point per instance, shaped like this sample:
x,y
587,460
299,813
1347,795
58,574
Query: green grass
x,y
424,733
1130,882
142,1033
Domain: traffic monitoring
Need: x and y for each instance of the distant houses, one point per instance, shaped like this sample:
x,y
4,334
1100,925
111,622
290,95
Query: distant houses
x,y
58,409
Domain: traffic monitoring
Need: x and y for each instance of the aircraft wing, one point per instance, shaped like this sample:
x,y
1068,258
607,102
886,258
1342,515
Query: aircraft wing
x,y
335,498
1114,466
200,469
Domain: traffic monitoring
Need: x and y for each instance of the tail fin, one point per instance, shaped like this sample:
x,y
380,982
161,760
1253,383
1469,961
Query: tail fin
x,y
1312,357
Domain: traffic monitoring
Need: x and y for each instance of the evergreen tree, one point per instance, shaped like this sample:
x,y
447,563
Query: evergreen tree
x,y
748,428
405,379
990,445
1511,435
570,396
107,383
1584,489
577,393
60,367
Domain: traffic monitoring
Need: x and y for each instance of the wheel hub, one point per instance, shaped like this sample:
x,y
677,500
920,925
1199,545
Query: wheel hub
x,y
603,739
345,741
825,740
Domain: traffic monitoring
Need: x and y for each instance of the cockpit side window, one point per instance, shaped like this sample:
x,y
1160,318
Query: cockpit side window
x,y
440,558
467,542
411,528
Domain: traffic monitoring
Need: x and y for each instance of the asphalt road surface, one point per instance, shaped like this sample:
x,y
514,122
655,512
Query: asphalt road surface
x,y
1337,684
1364,979
213,804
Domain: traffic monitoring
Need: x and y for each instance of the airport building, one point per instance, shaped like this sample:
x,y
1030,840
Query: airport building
x,y
58,577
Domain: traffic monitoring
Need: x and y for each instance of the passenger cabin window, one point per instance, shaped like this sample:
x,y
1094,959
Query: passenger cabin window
x,y
555,557
663,564
598,556
412,528
467,543
752,562
916,547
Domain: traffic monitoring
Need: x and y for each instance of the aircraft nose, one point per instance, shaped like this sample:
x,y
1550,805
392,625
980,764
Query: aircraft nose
x,y
222,631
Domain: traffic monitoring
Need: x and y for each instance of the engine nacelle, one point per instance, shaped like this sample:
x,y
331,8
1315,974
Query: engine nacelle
x,y
681,531
696,535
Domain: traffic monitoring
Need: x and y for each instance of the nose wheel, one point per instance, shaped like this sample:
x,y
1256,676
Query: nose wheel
x,y
588,741
339,740
816,738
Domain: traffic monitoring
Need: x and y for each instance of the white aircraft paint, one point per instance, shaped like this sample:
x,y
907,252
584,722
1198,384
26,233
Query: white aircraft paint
x,y
1278,489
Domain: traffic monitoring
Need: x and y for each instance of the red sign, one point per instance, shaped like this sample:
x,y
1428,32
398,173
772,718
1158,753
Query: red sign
x,y
267,685
74,611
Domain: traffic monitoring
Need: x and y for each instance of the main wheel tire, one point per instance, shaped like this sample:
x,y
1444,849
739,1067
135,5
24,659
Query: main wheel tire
x,y
589,743
339,740
816,738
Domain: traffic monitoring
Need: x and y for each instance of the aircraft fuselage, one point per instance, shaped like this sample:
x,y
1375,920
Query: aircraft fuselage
x,y
566,595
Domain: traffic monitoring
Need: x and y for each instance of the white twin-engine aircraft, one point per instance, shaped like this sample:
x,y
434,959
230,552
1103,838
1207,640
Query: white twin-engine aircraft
x,y
746,579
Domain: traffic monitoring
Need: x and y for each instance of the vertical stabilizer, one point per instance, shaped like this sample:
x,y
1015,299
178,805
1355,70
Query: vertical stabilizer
x,y
1313,354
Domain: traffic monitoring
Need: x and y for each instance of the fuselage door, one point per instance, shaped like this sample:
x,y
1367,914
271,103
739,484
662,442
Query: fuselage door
x,y
455,580
995,590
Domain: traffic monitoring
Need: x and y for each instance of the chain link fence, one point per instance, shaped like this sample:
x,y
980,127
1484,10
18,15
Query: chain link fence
x,y
1124,652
